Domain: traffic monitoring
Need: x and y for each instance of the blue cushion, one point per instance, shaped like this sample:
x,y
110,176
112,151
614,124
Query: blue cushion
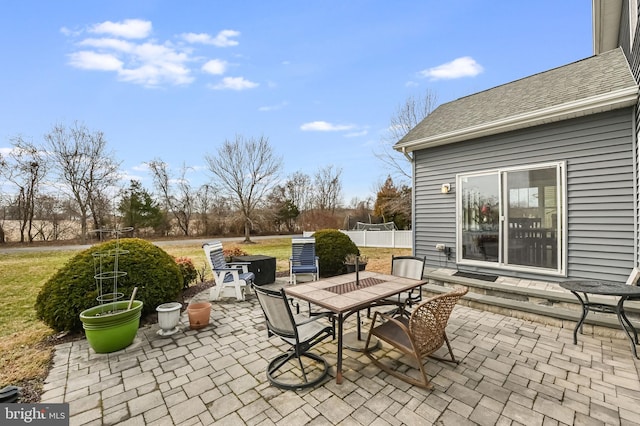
x,y
304,269
248,277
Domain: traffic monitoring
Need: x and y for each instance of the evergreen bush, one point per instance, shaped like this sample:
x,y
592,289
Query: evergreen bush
x,y
72,289
332,246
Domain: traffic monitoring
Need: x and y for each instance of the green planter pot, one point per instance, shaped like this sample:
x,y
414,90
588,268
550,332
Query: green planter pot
x,y
111,327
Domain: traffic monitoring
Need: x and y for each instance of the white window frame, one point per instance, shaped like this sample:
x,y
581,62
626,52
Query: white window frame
x,y
561,201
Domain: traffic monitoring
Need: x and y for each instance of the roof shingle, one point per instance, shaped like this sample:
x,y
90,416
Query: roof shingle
x,y
584,79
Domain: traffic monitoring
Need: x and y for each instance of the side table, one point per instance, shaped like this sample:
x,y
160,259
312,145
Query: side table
x,y
605,288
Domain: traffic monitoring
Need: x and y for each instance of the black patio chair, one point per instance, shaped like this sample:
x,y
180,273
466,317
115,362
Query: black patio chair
x,y
407,267
301,333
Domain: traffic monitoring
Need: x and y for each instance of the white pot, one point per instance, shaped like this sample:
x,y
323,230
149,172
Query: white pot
x,y
168,318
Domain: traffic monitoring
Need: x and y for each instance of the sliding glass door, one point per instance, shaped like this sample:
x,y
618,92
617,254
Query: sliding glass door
x,y
512,217
480,213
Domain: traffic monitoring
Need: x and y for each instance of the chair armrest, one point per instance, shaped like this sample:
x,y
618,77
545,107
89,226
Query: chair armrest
x,y
316,316
389,318
227,269
244,266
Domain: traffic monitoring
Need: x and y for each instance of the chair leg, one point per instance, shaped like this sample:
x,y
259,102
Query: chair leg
x,y
214,294
424,383
239,291
453,358
280,360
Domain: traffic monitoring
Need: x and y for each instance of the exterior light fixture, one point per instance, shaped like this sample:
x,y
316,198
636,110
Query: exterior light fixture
x,y
446,188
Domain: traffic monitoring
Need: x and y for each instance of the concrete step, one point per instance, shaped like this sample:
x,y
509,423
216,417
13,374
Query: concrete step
x,y
553,305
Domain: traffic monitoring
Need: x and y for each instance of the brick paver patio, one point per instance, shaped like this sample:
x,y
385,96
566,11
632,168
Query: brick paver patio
x,y
512,372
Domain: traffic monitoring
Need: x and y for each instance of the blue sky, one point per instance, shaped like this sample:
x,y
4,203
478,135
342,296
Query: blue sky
x,y
172,80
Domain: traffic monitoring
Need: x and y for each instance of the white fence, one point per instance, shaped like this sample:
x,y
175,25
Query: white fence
x,y
389,239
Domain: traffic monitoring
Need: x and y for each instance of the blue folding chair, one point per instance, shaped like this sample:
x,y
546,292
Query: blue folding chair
x,y
303,259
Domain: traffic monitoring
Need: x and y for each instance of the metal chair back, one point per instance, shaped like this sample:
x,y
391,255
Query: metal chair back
x,y
277,312
408,267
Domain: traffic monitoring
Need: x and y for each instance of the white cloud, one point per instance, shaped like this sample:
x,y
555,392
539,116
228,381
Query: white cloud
x,y
458,68
108,43
215,66
148,64
323,126
152,75
234,83
88,60
222,39
121,48
142,167
129,28
356,134
126,178
69,32
273,107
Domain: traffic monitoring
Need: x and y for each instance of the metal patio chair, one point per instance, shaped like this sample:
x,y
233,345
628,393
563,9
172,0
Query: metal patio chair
x,y
407,267
417,336
301,334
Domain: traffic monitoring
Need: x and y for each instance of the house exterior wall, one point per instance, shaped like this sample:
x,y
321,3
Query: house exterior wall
x,y
598,151
632,52
624,39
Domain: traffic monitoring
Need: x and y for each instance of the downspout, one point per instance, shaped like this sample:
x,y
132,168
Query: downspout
x,y
636,185
413,200
409,157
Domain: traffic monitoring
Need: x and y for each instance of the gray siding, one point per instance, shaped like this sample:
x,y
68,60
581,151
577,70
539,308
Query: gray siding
x,y
634,62
623,32
598,151
632,53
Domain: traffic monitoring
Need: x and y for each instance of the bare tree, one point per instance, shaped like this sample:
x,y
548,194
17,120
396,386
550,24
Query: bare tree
x,y
25,166
204,199
3,217
245,170
213,210
298,189
84,166
328,188
177,194
49,211
405,118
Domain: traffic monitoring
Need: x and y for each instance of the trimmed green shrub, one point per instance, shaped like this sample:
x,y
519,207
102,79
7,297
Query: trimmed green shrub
x,y
72,289
332,246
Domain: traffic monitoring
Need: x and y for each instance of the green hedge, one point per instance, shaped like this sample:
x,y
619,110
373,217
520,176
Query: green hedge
x,y
72,289
332,246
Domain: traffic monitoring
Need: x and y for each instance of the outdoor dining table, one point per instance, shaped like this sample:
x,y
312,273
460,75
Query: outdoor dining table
x,y
605,288
347,294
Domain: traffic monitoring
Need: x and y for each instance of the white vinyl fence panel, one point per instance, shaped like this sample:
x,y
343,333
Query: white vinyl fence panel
x,y
389,239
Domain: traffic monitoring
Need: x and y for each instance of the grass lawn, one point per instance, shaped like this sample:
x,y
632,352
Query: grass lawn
x,y
24,354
